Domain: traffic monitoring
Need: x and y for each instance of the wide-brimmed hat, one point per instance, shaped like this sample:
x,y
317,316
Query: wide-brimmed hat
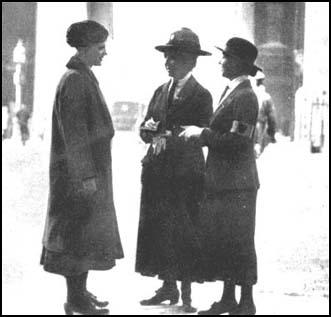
x,y
243,50
184,40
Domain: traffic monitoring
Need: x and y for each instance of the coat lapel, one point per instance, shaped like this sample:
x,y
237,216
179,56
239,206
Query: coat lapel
x,y
228,100
161,106
181,102
76,63
179,105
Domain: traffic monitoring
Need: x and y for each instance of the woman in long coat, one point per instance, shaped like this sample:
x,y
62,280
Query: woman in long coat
x,y
228,212
172,175
81,231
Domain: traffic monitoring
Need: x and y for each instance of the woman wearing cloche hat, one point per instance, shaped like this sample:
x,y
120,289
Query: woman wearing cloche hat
x,y
81,232
227,215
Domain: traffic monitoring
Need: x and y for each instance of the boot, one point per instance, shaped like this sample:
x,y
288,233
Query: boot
x,y
186,298
94,300
84,307
168,291
246,305
219,308
77,301
244,309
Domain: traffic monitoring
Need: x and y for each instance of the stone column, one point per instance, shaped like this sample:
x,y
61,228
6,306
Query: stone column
x,y
102,12
277,33
248,17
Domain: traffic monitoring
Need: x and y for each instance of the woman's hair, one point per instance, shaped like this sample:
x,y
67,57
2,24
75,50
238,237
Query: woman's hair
x,y
86,33
247,69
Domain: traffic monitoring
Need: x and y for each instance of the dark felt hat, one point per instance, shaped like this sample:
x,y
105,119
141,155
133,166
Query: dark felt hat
x,y
85,33
243,50
184,40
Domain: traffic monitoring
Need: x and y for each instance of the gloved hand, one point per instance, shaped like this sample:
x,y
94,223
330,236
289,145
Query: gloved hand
x,y
190,131
89,187
80,198
159,144
151,125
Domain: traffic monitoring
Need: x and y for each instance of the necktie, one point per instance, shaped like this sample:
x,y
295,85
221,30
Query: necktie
x,y
223,94
172,92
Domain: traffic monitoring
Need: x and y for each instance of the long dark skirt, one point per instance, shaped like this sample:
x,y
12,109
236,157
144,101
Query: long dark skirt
x,y
69,264
168,242
228,225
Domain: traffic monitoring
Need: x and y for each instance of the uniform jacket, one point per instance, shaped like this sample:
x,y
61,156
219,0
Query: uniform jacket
x,y
231,161
82,130
192,107
172,187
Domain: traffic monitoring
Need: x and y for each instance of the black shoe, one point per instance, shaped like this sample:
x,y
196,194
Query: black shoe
x,y
95,300
84,308
244,309
219,308
161,296
187,308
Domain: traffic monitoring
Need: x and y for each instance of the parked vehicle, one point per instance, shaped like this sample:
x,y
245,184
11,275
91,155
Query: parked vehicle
x,y
126,114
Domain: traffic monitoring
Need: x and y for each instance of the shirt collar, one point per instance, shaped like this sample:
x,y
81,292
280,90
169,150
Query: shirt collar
x,y
181,82
237,81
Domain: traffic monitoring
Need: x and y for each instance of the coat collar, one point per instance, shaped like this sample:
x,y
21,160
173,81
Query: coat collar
x,y
237,81
228,100
186,91
77,64
242,85
178,105
181,82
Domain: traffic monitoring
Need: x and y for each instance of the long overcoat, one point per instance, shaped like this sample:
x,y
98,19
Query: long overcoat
x,y
172,187
227,216
80,226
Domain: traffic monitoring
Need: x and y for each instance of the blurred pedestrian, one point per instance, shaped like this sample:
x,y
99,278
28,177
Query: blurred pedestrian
x,y
266,122
228,211
81,231
23,116
172,174
8,131
4,117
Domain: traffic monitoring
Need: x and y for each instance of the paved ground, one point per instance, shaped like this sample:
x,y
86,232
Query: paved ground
x,y
291,235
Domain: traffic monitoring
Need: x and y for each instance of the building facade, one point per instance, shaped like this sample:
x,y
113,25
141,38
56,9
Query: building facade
x,y
279,29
